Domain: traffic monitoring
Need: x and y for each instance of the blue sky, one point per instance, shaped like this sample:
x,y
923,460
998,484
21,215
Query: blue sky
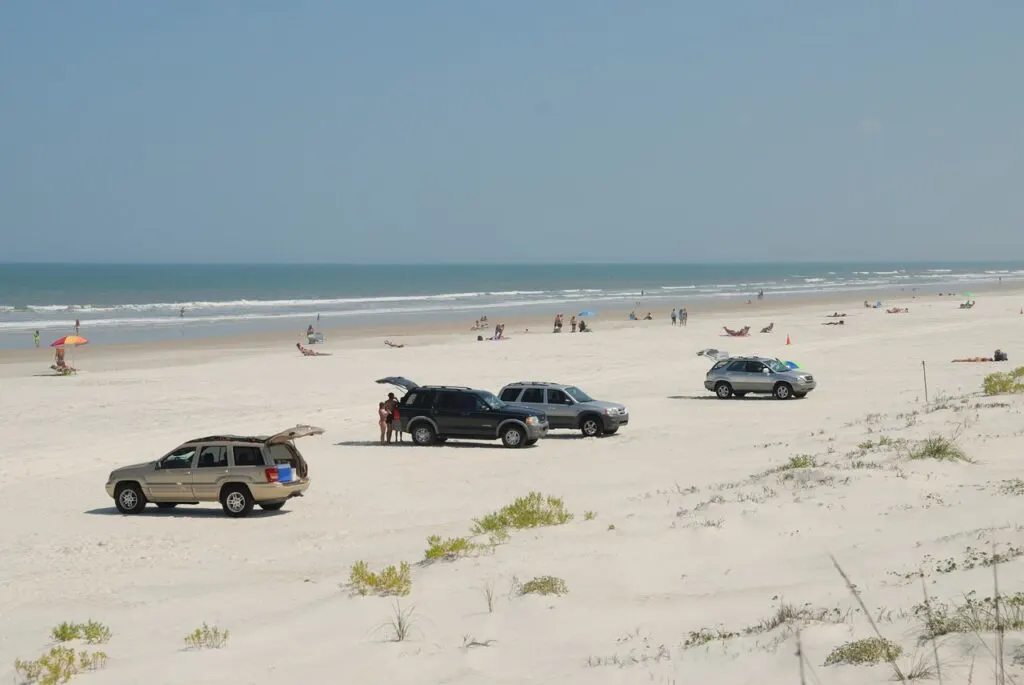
x,y
556,130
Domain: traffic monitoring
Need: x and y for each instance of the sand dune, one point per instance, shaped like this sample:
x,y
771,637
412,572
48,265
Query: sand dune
x,y
709,515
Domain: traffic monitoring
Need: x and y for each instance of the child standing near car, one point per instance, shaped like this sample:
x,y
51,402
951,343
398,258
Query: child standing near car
x,y
382,421
396,425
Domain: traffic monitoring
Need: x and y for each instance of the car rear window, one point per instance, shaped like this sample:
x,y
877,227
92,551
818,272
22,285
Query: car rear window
x,y
509,394
417,399
247,455
720,364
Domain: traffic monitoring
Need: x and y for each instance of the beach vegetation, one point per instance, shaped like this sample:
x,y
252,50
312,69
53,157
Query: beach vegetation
x,y
1004,383
401,622
971,615
589,515
611,526
390,581
544,585
1014,486
489,597
93,632
939,448
870,650
532,511
449,549
58,665
206,637
800,461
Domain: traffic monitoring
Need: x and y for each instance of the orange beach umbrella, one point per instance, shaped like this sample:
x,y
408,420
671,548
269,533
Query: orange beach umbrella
x,y
69,340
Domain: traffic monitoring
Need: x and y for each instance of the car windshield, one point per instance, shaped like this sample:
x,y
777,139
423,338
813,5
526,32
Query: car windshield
x,y
577,394
777,366
491,401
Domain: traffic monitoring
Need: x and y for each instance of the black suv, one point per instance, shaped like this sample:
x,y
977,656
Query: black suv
x,y
435,413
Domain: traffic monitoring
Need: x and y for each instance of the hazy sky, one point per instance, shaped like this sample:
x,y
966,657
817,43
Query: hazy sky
x,y
555,130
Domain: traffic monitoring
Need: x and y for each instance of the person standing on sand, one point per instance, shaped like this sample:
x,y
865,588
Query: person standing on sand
x,y
682,316
673,317
78,324
572,323
396,424
35,338
382,420
389,405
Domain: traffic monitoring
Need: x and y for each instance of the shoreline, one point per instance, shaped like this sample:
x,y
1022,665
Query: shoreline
x,y
734,313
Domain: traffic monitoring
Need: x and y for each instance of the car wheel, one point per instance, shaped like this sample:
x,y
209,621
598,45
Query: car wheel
x,y
129,499
611,431
166,505
531,443
783,391
513,436
723,390
799,395
272,506
423,434
590,426
236,500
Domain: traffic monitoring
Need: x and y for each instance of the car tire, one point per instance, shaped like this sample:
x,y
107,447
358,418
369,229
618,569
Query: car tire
x,y
513,437
166,505
272,506
423,435
531,443
723,390
611,431
739,394
783,391
591,427
440,439
129,499
799,395
236,501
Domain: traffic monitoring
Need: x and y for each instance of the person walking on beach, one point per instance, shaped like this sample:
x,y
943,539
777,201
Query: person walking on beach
x,y
673,317
78,324
35,338
382,420
682,316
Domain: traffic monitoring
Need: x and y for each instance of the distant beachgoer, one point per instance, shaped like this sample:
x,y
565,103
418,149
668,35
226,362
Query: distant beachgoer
x,y
682,316
382,421
35,338
572,324
78,325
558,324
182,312
674,317
306,352
648,317
583,326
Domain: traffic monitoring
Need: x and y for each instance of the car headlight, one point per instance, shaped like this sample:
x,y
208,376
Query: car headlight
x,y
531,420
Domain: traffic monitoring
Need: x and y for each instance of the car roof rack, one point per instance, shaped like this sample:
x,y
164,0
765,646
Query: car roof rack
x,y
535,383
443,387
232,438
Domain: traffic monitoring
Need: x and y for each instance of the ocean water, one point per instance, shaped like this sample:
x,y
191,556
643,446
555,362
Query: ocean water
x,y
130,303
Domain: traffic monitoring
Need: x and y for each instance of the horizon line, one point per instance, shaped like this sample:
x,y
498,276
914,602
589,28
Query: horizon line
x,y
519,264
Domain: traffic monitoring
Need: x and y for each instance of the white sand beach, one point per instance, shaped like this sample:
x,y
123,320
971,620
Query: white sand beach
x,y
692,529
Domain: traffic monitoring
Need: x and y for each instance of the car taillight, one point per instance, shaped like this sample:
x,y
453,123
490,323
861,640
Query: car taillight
x,y
271,474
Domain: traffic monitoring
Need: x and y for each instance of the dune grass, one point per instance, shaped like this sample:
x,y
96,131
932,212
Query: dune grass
x,y
532,511
939,448
390,581
1004,383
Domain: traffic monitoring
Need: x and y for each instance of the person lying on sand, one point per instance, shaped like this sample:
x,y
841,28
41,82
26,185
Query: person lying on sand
x,y
306,352
737,334
898,310
833,323
975,359
769,328
834,315
395,345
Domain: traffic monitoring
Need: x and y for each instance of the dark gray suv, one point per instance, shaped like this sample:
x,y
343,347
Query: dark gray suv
x,y
567,406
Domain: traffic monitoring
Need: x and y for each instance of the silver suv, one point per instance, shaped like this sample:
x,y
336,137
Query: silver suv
x,y
741,375
567,407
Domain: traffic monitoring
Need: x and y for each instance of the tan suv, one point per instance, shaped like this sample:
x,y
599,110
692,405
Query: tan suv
x,y
236,471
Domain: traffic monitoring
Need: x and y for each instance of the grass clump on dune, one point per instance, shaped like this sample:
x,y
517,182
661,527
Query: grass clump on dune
x,y
1001,383
544,585
940,448
206,637
390,581
533,511
871,650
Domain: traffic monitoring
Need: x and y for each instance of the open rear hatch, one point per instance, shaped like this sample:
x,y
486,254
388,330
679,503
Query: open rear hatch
x,y
399,382
283,450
